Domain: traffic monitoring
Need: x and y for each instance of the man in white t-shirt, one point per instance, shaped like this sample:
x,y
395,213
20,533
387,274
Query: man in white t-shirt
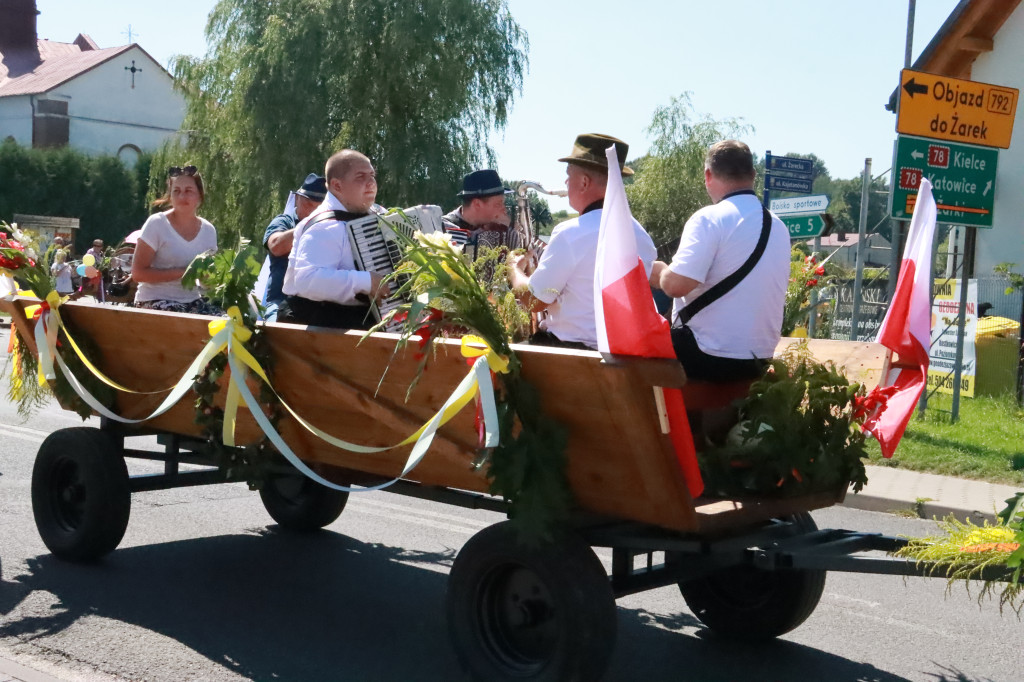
x,y
563,282
730,338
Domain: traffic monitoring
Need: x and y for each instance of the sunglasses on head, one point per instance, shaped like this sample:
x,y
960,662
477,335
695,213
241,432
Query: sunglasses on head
x,y
175,171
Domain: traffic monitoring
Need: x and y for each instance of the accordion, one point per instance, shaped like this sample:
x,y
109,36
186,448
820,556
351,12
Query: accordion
x,y
376,248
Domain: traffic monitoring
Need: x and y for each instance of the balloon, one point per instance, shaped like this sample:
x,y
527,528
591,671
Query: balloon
x,y
80,270
91,272
89,259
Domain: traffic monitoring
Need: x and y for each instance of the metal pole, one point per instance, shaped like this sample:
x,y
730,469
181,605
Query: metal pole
x,y
961,321
862,229
767,192
912,6
899,226
923,404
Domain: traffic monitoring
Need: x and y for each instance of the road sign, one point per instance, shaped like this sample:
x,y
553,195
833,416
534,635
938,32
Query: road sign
x,y
816,203
963,179
797,185
956,110
804,226
791,164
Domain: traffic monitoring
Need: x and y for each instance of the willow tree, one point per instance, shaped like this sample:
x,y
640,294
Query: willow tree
x,y
669,183
417,86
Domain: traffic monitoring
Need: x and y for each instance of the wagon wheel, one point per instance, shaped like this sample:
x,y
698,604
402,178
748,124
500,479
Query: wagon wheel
x,y
539,612
80,495
744,602
301,504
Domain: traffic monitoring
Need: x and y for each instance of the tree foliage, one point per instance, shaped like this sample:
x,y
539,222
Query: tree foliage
x,y
417,86
669,183
106,197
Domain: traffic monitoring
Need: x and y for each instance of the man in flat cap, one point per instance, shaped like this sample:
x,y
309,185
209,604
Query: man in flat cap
x,y
280,234
482,221
563,282
728,276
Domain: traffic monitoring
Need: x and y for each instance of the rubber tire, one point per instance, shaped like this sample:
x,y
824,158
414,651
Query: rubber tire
x,y
573,598
301,504
746,603
80,495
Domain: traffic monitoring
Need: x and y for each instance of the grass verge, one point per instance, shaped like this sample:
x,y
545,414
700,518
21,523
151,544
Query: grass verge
x,y
987,443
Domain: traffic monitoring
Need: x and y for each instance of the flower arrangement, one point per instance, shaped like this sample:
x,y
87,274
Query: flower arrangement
x,y
805,277
22,268
799,432
528,467
965,550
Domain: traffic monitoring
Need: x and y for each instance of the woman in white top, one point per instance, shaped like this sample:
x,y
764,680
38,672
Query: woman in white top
x,y
168,243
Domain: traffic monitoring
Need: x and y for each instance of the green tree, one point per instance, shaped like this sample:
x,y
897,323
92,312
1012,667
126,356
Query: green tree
x,y
669,184
415,86
106,197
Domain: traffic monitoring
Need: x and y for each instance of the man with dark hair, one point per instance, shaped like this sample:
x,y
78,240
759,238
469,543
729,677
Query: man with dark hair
x,y
322,285
728,276
280,234
563,282
482,221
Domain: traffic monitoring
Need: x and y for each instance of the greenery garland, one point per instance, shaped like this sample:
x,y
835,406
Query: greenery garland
x,y
799,433
965,549
528,466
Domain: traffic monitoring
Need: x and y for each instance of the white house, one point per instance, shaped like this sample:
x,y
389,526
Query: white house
x,y
983,40
116,100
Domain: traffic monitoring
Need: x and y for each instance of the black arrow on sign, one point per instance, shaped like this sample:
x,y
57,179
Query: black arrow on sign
x,y
911,87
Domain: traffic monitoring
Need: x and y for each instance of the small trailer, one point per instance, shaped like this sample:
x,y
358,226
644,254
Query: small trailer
x,y
747,568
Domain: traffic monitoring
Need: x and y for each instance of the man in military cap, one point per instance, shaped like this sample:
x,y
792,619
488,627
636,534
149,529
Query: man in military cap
x,y
482,220
280,234
563,282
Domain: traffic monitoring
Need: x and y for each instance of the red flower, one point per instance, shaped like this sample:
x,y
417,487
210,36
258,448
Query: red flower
x,y
812,282
820,270
401,316
811,259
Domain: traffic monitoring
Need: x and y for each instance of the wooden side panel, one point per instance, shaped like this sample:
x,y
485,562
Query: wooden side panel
x,y
620,464
861,360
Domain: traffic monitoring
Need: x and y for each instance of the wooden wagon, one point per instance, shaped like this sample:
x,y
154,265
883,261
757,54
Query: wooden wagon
x,y
747,568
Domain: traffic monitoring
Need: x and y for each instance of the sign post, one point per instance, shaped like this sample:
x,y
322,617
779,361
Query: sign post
x,y
963,180
806,226
956,110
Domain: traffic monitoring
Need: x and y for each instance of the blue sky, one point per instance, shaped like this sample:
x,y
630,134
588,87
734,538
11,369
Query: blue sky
x,y
809,75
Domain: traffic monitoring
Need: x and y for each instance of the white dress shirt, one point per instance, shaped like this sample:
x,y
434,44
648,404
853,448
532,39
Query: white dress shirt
x,y
321,266
565,276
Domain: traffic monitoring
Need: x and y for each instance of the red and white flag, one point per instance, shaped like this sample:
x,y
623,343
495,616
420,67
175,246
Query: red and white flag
x,y
628,322
906,331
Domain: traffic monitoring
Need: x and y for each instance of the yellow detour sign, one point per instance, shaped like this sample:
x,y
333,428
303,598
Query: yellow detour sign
x,y
955,109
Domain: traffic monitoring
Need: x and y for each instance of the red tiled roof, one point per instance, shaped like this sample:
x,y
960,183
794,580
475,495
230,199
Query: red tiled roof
x,y
25,72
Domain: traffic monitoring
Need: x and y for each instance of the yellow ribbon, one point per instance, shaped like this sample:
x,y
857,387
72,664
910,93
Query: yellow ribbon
x,y
54,300
474,347
237,331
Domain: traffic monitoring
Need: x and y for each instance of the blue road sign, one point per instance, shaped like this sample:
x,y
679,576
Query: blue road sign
x,y
791,164
797,185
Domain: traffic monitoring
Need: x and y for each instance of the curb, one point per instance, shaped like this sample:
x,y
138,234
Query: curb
x,y
16,672
926,509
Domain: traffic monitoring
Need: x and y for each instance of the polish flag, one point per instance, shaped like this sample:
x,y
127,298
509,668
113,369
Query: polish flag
x,y
627,321
906,331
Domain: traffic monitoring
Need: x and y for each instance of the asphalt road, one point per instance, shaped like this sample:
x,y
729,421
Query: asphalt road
x,y
204,587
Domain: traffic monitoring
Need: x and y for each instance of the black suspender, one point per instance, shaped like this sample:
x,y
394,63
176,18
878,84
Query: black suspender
x,y
726,285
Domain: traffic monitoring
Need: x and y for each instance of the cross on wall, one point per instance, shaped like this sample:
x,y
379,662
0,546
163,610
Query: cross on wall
x,y
134,71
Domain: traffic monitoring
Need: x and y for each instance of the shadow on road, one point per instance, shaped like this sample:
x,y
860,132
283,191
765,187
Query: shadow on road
x,y
275,606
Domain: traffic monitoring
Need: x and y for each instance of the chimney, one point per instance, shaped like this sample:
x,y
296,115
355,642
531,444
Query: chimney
x,y
17,25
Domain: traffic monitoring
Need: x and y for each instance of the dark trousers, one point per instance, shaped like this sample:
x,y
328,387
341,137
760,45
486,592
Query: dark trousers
x,y
298,310
700,366
546,338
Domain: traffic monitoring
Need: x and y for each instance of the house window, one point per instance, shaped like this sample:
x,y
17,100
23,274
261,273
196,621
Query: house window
x,y
129,155
50,126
